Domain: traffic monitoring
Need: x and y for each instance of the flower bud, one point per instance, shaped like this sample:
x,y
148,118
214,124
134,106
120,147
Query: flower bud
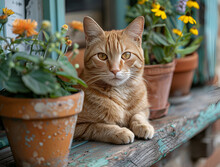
x,y
46,25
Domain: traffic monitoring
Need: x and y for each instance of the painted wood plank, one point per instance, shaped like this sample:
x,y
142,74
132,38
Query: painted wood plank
x,y
182,123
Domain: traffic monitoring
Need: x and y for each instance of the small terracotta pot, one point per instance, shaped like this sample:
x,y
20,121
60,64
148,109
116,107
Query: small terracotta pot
x,y
40,131
183,75
158,78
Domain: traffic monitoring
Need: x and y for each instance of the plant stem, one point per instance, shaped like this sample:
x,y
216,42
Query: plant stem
x,y
1,28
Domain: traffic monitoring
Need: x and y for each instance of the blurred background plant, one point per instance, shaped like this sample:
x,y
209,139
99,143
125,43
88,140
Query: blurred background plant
x,y
34,72
160,44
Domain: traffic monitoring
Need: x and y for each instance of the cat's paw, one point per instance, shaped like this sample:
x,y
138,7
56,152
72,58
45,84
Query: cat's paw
x,y
145,131
123,136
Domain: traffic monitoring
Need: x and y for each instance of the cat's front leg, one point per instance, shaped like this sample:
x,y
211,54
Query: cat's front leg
x,y
141,127
104,132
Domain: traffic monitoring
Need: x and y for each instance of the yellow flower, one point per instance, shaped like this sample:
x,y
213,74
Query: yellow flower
x,y
159,11
24,27
141,2
65,27
155,5
191,3
178,32
194,31
187,18
7,11
77,25
69,42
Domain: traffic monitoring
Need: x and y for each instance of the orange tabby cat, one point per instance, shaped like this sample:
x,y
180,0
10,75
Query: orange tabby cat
x,y
115,106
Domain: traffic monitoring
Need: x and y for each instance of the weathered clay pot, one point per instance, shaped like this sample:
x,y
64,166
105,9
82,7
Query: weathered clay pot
x,y
158,81
183,75
40,131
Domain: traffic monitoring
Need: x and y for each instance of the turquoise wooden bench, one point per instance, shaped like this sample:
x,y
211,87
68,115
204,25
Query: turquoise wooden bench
x,y
182,123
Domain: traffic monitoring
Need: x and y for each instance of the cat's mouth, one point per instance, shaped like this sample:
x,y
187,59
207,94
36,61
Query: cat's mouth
x,y
116,78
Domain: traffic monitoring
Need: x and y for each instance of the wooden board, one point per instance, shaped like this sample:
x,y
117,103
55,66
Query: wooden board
x,y
182,123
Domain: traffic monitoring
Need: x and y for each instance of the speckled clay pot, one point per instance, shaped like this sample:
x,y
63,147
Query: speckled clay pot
x,y
40,131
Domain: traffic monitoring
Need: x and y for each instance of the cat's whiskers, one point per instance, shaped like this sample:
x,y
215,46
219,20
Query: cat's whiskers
x,y
96,78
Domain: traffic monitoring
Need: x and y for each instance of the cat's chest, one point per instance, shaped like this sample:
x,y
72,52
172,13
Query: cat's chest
x,y
118,112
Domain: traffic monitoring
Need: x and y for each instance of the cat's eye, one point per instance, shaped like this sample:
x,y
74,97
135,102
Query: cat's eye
x,y
126,55
102,56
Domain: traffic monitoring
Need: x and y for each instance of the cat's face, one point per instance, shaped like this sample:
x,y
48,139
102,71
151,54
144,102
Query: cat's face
x,y
115,56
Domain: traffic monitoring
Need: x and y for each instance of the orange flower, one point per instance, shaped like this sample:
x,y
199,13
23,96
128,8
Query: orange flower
x,y
65,27
24,27
77,25
69,42
2,17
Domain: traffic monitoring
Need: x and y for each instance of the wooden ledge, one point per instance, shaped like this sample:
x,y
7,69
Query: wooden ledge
x,y
182,123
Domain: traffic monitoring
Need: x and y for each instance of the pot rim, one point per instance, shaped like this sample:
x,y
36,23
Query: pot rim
x,y
44,108
2,97
191,60
160,65
159,69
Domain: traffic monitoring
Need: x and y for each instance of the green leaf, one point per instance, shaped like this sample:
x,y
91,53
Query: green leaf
x,y
187,50
169,36
67,66
158,25
159,39
50,62
146,56
26,57
46,36
5,70
158,53
15,84
197,41
81,82
168,59
40,82
71,89
185,40
60,92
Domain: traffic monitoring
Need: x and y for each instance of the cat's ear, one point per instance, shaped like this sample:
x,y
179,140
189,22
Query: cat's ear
x,y
135,29
91,29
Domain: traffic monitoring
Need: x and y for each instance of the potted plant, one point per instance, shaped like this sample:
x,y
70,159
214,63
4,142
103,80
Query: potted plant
x,y
160,48
38,109
159,61
187,57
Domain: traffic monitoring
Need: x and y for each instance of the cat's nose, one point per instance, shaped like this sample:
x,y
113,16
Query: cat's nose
x,y
114,71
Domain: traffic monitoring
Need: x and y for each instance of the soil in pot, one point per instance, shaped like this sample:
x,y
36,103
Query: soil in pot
x,y
40,131
183,77
158,81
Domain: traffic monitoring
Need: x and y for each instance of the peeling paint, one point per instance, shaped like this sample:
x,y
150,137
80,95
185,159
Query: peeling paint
x,y
50,107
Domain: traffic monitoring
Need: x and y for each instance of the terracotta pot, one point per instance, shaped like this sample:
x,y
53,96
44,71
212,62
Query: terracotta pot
x,y
158,81
79,59
40,131
183,75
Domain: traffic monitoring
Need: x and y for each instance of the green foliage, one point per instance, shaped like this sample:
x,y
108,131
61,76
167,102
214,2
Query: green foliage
x,y
160,45
33,73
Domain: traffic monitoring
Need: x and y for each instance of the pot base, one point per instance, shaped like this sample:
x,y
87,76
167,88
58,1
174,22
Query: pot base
x,y
180,99
158,113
